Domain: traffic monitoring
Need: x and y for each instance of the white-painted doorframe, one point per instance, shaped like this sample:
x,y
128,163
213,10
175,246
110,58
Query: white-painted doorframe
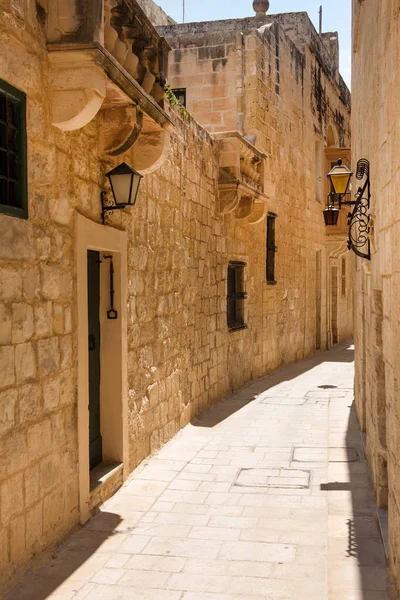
x,y
113,351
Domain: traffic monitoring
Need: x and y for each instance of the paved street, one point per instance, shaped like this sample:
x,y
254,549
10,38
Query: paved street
x,y
265,497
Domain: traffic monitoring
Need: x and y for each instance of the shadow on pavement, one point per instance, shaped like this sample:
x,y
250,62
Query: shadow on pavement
x,y
250,391
72,564
356,558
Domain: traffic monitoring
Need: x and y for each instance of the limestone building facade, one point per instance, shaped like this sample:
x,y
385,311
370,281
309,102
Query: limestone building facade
x,y
221,272
376,129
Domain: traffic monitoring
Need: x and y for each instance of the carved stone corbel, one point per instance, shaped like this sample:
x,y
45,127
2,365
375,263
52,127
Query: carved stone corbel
x,y
151,147
120,128
245,208
229,197
259,212
78,89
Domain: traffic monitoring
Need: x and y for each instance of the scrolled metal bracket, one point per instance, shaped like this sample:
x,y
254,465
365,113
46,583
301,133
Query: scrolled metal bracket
x,y
359,240
107,207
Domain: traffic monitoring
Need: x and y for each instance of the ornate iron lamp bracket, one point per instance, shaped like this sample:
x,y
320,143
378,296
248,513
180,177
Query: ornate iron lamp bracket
x,y
359,220
107,207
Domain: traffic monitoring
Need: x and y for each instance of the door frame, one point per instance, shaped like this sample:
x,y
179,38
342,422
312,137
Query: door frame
x,y
113,356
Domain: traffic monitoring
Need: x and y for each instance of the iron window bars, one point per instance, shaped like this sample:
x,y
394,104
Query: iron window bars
x,y
13,145
236,296
271,249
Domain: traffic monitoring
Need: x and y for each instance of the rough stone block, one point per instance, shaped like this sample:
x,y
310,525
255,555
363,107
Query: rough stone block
x,y
8,400
43,319
4,555
10,284
50,472
25,362
7,362
29,402
5,324
22,323
48,355
32,484
51,393
11,498
66,351
58,319
23,240
34,525
50,278
17,540
31,284
15,452
53,510
39,439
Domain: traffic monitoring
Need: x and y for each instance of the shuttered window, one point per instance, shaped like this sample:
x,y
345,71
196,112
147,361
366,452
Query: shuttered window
x,y
271,249
13,170
236,296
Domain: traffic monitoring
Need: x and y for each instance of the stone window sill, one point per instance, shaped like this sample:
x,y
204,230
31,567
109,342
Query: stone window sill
x,y
238,327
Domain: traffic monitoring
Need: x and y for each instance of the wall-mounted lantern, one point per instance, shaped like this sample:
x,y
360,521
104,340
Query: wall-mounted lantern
x,y
340,177
359,220
331,216
124,182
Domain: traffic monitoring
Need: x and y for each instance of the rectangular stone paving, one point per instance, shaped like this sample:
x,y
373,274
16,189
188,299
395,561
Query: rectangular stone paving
x,y
264,497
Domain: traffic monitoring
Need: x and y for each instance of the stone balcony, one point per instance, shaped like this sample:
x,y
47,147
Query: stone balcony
x,y
107,56
241,178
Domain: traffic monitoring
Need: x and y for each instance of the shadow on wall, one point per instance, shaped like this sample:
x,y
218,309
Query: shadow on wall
x,y
355,543
365,545
227,407
73,563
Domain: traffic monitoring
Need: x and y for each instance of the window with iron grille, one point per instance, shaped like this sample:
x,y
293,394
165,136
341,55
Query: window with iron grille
x,y
236,296
13,171
180,94
271,249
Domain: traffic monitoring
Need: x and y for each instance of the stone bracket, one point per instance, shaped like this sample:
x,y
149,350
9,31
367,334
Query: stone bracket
x,y
120,128
84,77
78,90
247,204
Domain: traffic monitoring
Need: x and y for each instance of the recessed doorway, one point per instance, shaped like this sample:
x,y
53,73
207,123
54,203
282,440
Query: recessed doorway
x,y
95,439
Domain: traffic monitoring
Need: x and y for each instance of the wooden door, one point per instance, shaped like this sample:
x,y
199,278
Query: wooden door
x,y
95,441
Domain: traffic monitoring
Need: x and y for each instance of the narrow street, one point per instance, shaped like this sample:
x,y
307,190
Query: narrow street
x,y
266,496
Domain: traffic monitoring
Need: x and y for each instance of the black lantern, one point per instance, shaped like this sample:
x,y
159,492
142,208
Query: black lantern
x,y
359,239
340,177
124,182
331,216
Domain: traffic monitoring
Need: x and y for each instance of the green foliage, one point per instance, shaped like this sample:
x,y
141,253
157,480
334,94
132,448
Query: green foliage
x,y
173,100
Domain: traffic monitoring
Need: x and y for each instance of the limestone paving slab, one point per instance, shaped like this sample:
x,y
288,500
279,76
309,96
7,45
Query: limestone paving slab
x,y
267,499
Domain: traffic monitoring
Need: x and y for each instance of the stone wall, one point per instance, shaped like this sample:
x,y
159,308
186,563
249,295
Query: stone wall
x,y
376,128
155,13
249,75
181,356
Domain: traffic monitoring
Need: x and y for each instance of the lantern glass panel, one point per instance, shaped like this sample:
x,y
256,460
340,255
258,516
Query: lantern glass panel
x,y
331,216
121,187
340,177
135,188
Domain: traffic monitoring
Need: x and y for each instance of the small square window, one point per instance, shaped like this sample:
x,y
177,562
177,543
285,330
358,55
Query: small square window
x,y
271,249
236,296
180,95
13,163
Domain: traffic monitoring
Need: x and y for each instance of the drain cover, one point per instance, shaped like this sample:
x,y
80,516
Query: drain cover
x,y
315,455
310,455
284,401
345,455
295,479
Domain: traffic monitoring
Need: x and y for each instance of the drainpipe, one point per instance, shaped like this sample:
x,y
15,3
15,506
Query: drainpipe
x,y
240,81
